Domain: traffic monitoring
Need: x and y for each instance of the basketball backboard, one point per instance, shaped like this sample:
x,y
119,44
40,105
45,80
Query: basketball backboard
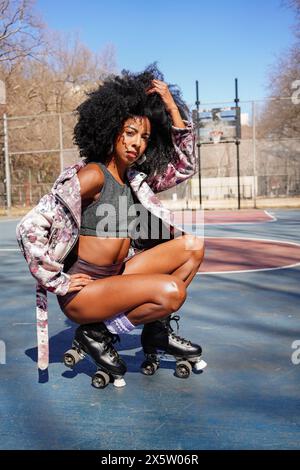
x,y
218,124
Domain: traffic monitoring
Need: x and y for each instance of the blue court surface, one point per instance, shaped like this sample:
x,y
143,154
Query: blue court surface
x,y
248,397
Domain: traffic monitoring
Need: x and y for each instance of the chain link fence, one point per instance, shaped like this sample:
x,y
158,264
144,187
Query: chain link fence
x,y
36,149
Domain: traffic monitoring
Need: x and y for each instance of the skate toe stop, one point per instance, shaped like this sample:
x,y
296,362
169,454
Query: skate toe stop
x,y
200,365
119,383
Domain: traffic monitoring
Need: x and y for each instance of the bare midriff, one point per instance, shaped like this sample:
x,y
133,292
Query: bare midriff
x,y
103,251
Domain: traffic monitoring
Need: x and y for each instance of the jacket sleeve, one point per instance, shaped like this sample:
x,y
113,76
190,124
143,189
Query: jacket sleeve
x,y
33,236
185,160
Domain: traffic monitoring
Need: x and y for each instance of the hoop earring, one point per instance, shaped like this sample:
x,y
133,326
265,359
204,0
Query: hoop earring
x,y
141,160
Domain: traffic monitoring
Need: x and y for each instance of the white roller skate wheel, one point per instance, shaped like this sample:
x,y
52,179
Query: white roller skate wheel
x,y
200,365
119,383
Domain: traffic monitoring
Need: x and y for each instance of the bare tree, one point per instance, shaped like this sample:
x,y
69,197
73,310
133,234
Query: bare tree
x,y
55,83
278,123
21,30
58,82
281,116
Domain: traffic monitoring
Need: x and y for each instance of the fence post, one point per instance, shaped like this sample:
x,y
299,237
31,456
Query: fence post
x,y
7,168
237,142
198,144
61,148
30,186
254,153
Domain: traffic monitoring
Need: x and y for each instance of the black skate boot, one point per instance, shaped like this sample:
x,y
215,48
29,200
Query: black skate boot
x,y
96,341
159,336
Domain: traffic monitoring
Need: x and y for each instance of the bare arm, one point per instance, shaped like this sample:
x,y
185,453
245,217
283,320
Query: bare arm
x,y
91,179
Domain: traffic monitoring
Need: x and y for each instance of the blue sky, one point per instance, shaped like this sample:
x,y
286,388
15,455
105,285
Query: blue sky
x,y
209,41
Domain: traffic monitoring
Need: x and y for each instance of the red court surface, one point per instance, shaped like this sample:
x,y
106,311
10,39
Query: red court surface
x,y
226,217
223,255
237,217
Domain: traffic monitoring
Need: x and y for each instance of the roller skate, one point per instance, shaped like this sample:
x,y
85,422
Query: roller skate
x,y
158,340
96,341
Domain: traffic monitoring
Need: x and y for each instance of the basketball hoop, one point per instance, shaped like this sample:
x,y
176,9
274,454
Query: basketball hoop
x,y
215,136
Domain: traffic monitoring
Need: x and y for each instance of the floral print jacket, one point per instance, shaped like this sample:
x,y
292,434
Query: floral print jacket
x,y
51,229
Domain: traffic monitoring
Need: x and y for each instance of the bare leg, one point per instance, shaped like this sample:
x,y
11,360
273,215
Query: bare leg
x,y
180,258
143,297
172,257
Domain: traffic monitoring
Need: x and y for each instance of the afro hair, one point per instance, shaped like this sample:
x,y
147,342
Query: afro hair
x,y
119,97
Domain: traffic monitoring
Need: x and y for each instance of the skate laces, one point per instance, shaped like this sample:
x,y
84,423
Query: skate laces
x,y
176,319
109,341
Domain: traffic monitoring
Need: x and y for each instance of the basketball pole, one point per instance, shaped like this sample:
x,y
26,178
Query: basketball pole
x,y
237,142
198,142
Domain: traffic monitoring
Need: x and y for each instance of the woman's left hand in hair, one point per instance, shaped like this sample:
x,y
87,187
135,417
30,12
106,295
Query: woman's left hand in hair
x,y
162,89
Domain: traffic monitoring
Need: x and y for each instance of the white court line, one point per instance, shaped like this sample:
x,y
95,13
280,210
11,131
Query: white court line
x,y
249,270
272,216
284,242
254,270
10,249
9,220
